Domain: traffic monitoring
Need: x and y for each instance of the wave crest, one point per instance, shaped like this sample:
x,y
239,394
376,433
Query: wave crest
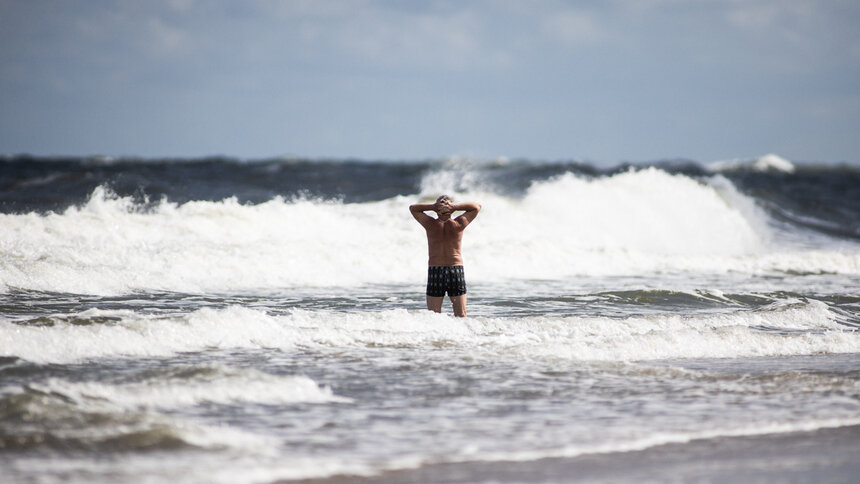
x,y
634,222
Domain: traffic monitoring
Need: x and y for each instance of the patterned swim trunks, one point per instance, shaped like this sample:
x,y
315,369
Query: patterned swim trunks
x,y
450,279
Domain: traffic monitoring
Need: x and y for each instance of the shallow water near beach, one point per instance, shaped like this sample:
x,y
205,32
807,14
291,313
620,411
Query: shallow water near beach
x,y
253,326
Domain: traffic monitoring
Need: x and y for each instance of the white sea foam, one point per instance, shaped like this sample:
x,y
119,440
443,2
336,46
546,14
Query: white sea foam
x,y
788,328
260,468
664,438
240,467
233,387
632,223
107,247
303,468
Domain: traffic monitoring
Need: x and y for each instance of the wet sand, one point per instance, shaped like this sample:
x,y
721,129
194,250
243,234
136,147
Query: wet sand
x,y
821,456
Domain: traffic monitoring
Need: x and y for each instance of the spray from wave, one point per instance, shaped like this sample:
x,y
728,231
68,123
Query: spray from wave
x,y
637,221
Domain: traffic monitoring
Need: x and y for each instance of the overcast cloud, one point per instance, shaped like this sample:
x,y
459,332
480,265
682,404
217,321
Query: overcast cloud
x,y
602,81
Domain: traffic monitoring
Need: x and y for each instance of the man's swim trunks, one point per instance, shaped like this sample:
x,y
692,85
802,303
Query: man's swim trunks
x,y
442,279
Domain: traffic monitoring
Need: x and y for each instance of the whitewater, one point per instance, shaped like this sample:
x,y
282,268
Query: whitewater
x,y
638,222
267,322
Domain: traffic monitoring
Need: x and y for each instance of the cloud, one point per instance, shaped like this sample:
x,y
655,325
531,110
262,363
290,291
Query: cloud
x,y
430,40
573,28
180,5
128,32
425,39
161,39
761,15
790,21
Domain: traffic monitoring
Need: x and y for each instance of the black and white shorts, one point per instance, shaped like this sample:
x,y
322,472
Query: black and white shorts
x,y
442,279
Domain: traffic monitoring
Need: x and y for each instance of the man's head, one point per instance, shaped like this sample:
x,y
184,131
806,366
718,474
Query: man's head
x,y
443,206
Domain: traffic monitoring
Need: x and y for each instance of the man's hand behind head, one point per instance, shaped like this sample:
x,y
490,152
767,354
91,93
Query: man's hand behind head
x,y
443,205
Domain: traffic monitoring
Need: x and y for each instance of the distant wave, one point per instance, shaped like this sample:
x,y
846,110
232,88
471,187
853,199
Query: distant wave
x,y
770,162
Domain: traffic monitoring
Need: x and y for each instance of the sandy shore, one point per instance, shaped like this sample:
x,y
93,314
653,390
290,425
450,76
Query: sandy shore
x,y
821,456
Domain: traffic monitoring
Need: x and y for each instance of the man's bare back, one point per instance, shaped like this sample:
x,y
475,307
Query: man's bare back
x,y
444,243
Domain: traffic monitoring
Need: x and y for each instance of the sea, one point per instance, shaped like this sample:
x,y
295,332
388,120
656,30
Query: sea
x,y
220,320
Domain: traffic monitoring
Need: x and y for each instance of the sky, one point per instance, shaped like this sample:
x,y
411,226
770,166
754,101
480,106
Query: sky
x,y
600,81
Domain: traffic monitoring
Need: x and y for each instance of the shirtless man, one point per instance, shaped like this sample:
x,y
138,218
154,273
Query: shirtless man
x,y
444,240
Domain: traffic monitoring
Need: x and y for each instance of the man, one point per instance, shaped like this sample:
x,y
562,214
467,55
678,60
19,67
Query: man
x,y
444,240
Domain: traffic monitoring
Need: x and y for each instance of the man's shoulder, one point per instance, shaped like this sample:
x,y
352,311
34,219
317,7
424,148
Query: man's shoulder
x,y
461,222
433,224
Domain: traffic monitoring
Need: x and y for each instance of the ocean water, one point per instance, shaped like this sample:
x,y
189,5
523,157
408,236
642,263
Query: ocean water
x,y
231,321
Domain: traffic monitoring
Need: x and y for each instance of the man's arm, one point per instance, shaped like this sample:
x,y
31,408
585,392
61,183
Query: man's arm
x,y
417,210
471,209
